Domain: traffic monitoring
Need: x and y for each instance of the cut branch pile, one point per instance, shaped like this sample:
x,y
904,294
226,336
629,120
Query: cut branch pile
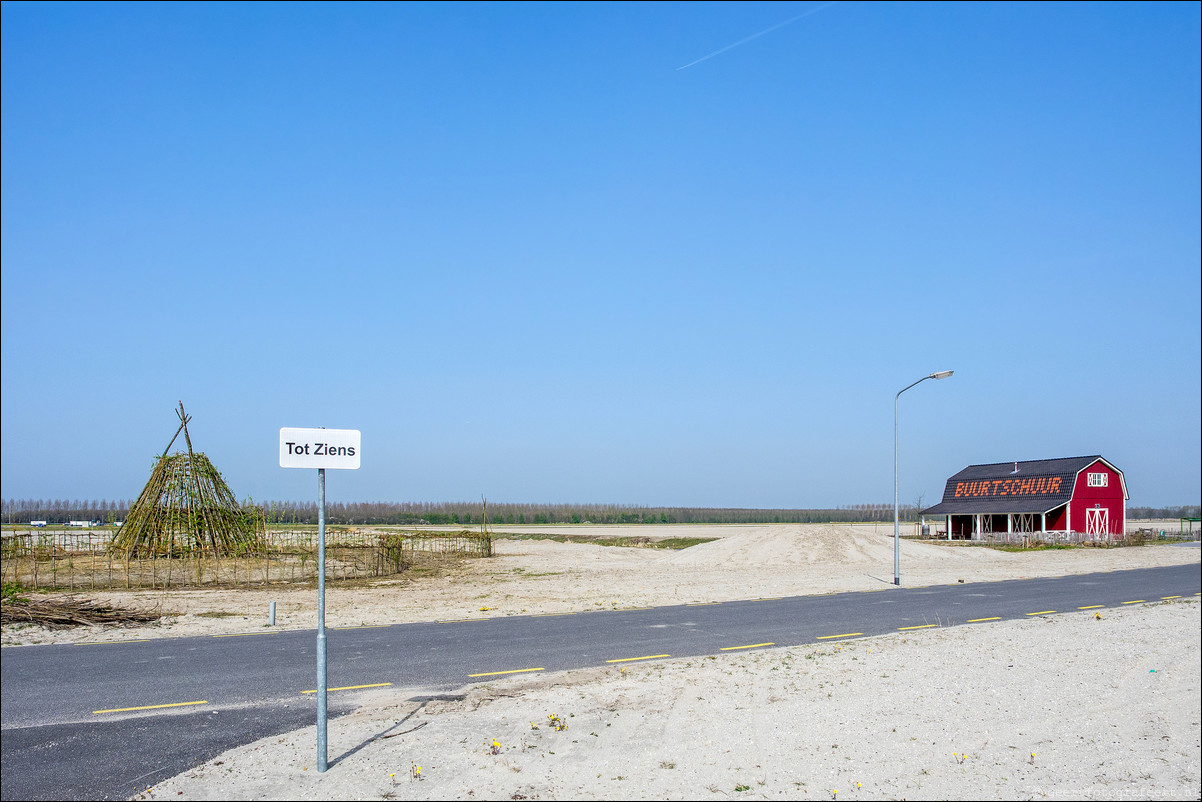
x,y
63,612
187,507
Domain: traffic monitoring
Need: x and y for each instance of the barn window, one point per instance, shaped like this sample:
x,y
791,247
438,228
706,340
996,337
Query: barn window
x,y
1097,480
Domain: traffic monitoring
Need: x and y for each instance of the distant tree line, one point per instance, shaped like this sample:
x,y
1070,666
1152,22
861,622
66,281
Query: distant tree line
x,y
1188,511
60,511
472,513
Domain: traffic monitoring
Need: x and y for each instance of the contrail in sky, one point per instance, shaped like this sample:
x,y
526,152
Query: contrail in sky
x,y
758,35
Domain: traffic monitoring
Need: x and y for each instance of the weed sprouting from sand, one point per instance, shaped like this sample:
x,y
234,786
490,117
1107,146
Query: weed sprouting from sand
x,y
959,758
740,788
415,771
557,724
494,748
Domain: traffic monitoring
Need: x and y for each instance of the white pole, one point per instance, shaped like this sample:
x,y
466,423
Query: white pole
x,y
321,621
943,374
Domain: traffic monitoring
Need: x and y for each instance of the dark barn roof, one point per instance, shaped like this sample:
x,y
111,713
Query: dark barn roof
x,y
1037,485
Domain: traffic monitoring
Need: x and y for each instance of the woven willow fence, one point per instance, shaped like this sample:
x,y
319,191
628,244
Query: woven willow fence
x,y
88,561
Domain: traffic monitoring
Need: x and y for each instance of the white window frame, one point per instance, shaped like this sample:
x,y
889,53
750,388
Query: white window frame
x,y
1098,480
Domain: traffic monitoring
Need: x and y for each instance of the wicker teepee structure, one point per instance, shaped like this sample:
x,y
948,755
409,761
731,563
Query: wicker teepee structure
x,y
187,507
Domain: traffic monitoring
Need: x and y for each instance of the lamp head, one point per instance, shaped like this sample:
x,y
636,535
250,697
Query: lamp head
x,y
943,374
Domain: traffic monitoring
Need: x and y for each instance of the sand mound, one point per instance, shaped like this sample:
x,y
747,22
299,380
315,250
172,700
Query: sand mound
x,y
825,544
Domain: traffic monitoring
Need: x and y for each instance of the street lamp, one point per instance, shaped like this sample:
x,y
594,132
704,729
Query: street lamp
x,y
943,374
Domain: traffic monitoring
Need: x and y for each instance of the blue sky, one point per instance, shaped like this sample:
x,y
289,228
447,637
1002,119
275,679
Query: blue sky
x,y
532,258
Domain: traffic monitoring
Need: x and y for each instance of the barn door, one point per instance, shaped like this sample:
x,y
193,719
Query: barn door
x,y
1097,521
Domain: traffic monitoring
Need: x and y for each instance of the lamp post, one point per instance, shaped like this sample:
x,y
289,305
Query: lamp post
x,y
943,374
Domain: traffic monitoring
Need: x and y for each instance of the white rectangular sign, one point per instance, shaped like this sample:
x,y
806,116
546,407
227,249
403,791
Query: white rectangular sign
x,y
319,448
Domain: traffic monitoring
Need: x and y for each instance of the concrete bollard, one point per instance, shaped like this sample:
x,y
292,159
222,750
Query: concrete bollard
x,y
271,615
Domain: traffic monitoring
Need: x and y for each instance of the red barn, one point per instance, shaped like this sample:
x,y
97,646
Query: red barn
x,y
1085,495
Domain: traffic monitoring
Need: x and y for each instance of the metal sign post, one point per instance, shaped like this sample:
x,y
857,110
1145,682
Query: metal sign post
x,y
320,449
322,749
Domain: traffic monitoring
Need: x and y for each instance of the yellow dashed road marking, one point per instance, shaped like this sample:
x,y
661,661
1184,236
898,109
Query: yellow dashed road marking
x,y
632,659
751,646
147,707
513,671
354,687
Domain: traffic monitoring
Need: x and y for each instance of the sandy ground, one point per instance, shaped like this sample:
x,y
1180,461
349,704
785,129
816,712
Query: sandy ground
x,y
1067,706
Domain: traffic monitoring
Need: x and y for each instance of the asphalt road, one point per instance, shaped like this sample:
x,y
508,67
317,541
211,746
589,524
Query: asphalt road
x,y
104,720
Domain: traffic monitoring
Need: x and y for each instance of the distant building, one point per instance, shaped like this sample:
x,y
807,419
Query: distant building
x,y
1087,495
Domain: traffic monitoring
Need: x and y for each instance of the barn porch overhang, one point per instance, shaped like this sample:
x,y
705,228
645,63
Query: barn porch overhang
x,y
975,521
1004,506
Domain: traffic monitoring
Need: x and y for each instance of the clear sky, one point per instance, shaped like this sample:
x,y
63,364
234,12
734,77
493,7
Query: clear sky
x,y
595,253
